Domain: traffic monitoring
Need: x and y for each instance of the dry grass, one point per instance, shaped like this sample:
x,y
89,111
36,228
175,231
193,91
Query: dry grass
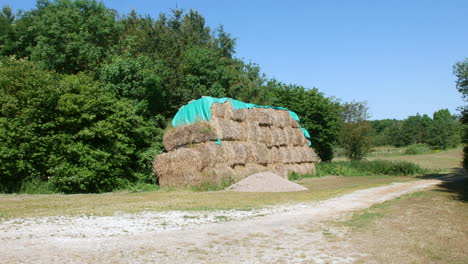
x,y
444,160
13,206
424,227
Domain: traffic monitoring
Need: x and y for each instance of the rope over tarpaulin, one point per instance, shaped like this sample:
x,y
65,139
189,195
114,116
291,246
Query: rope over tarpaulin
x,y
200,110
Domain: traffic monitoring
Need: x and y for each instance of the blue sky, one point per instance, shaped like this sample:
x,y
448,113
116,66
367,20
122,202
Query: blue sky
x,y
396,55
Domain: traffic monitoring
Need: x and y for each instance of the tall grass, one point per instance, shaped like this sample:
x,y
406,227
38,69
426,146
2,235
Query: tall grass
x,y
367,167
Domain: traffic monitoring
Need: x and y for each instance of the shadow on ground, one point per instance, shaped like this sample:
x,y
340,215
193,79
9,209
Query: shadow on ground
x,y
455,183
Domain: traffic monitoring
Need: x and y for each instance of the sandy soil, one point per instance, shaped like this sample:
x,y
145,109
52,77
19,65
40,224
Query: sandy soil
x,y
293,233
265,182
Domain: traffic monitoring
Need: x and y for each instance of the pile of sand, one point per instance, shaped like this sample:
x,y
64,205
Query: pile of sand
x,y
265,182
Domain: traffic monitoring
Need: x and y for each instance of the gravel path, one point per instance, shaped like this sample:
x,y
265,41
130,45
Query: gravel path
x,y
292,233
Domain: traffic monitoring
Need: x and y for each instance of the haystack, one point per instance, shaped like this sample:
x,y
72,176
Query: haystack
x,y
227,140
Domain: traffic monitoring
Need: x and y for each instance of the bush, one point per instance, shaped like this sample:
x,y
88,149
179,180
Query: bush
x,y
365,167
69,131
417,149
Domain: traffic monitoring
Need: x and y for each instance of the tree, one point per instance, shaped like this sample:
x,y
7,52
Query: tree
x,y
69,131
444,130
318,114
460,69
68,36
354,136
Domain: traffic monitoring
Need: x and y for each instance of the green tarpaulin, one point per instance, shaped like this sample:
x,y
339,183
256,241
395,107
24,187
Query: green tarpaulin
x,y
200,110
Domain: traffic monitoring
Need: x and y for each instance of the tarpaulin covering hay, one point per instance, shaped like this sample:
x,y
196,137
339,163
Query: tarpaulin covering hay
x,y
229,143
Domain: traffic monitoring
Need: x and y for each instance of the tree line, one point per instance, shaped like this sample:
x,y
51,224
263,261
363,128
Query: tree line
x,y
86,93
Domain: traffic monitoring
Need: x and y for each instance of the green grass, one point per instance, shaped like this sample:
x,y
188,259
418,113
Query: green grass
x,y
367,167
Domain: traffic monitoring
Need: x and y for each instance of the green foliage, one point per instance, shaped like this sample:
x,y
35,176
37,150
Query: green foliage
x,y
36,186
294,176
460,69
95,121
444,131
355,131
319,115
68,36
67,130
366,167
140,79
417,149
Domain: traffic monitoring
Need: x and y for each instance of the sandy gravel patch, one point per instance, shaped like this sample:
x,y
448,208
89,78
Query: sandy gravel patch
x,y
265,182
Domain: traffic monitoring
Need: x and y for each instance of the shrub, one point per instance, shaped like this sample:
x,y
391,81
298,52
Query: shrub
x,y
417,149
68,131
365,167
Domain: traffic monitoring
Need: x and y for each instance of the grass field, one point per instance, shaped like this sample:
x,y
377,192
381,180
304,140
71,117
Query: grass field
x,y
12,206
423,227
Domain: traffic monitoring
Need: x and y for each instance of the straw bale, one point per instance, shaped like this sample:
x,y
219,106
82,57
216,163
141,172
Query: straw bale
x,y
223,111
300,137
275,155
282,137
252,131
279,169
178,168
307,154
280,118
265,136
257,153
234,153
211,154
294,123
265,116
240,115
260,116
243,171
230,130
218,174
189,134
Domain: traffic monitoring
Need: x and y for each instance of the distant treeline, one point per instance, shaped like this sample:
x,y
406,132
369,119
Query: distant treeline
x,y
441,131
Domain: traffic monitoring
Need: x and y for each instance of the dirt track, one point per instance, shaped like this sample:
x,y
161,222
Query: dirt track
x,y
289,233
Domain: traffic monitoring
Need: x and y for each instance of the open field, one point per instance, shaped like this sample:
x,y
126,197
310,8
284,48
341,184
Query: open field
x,y
424,227
443,160
362,219
13,206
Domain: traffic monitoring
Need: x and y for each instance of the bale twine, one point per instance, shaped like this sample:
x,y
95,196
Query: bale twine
x,y
189,134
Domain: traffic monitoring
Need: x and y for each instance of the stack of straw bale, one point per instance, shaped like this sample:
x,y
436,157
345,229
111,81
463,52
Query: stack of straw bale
x,y
252,140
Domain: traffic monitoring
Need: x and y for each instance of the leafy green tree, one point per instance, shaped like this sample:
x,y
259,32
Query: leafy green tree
x,y
69,131
68,36
355,131
444,131
318,114
460,70
140,79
